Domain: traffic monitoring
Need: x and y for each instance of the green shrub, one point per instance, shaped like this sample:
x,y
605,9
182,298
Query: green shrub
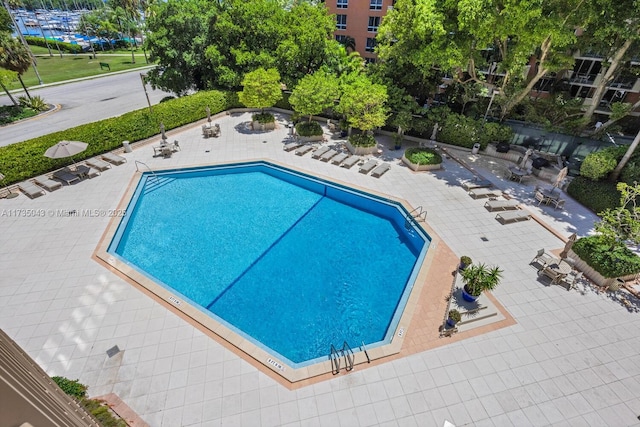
x,y
263,118
423,156
101,412
167,98
26,159
631,171
455,315
609,261
284,102
36,103
595,195
309,128
71,387
598,165
63,46
11,113
362,140
495,132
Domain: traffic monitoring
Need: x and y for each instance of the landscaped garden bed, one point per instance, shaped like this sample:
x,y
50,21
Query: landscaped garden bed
x,y
422,159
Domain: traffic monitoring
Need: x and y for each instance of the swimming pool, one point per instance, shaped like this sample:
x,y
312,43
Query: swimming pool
x,y
291,262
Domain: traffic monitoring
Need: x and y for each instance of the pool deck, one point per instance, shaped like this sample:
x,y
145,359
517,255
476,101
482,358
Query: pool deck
x,y
565,359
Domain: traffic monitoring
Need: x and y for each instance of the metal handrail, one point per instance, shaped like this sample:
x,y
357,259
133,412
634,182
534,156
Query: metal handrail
x,y
335,360
419,213
150,170
364,349
348,356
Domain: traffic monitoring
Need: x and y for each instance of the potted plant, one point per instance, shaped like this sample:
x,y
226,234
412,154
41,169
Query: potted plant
x,y
478,278
454,317
464,262
397,141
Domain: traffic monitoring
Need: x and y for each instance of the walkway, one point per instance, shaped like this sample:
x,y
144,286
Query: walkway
x,y
572,358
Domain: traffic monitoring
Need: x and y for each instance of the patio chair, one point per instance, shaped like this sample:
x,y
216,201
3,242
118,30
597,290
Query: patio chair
x,y
350,161
380,170
368,166
47,183
114,158
65,176
543,258
512,216
569,281
558,203
101,165
31,190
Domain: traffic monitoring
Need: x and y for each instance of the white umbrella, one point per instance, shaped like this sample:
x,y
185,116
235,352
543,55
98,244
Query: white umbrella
x,y
561,176
568,245
208,114
65,149
162,134
435,132
523,163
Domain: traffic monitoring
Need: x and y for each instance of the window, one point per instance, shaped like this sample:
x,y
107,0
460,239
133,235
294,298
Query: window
x,y
340,38
371,44
342,4
374,23
370,60
375,4
341,22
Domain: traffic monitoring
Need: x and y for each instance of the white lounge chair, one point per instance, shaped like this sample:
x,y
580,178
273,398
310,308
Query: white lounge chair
x,y
380,170
101,165
476,193
47,183
31,190
291,145
512,216
501,205
368,166
328,155
114,158
349,162
319,152
339,158
304,150
476,183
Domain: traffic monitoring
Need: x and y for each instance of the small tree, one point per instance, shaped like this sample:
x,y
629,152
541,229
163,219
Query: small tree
x,y
314,93
622,224
261,89
363,102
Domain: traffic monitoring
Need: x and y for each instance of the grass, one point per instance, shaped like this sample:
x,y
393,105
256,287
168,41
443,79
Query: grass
x,y
55,69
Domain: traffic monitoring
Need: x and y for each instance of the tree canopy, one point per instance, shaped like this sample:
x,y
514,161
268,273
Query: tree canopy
x,y
364,103
261,88
314,93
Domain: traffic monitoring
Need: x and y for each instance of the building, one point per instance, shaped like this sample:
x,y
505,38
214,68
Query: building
x,y
357,23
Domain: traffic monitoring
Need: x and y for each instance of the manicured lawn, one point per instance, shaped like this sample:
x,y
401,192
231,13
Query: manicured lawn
x,y
55,69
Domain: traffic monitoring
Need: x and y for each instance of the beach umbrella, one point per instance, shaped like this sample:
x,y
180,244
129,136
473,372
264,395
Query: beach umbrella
x,y
65,149
568,245
527,154
435,132
162,134
561,176
208,114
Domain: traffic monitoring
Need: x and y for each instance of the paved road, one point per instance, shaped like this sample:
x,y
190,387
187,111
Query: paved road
x,y
81,102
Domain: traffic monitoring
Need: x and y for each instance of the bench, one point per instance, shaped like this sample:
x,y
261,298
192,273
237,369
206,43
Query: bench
x,y
104,65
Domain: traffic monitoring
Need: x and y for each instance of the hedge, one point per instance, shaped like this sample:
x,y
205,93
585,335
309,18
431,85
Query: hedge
x,y
66,47
312,128
610,262
595,195
26,159
423,156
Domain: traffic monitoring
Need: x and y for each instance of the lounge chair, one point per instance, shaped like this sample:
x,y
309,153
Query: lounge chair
x,y
368,166
304,150
65,176
380,170
569,281
319,152
91,172
291,146
544,258
476,193
101,165
31,190
349,162
328,155
339,158
512,216
476,183
501,205
47,183
114,158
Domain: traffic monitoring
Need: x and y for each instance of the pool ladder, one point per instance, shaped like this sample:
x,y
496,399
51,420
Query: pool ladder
x,y
415,215
335,355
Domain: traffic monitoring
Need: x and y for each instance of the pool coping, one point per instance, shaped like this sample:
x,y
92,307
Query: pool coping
x,y
416,331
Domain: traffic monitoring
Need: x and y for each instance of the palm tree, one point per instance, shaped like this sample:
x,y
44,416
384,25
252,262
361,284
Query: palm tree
x,y
15,57
479,277
5,77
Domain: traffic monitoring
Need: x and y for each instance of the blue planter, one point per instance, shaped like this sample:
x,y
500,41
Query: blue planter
x,y
468,297
450,322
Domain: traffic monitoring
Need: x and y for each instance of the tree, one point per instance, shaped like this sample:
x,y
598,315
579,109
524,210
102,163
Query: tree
x,y
627,155
261,89
6,76
314,93
177,41
622,225
14,56
363,103
613,28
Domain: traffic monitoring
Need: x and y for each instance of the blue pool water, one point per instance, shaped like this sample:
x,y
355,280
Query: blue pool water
x,y
293,263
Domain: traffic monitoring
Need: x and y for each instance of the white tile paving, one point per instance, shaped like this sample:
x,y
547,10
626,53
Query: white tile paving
x,y
572,358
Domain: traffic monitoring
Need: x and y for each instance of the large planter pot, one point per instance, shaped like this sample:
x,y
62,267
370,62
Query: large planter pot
x,y
416,167
361,151
451,322
310,138
593,275
467,296
256,125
